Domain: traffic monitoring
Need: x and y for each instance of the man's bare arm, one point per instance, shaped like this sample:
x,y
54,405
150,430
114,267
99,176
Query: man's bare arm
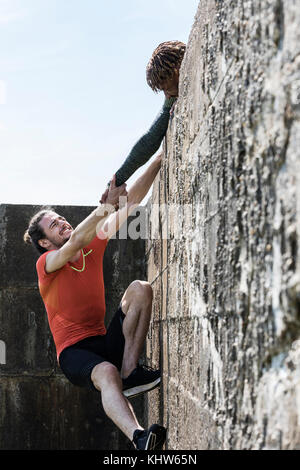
x,y
136,194
85,232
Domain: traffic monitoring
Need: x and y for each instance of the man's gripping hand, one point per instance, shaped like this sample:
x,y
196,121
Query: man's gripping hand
x,y
113,193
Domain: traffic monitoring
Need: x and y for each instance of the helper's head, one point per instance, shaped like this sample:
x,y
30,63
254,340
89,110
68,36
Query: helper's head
x,y
47,230
162,71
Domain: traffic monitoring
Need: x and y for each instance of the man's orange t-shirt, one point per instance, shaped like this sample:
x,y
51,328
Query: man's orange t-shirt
x,y
75,298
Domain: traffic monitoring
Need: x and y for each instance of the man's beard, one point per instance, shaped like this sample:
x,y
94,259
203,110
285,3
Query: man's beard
x,y
62,243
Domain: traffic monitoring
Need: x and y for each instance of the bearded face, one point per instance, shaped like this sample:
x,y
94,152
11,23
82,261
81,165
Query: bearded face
x,y
57,230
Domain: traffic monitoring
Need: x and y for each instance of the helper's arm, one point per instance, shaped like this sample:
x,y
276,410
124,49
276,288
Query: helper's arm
x,y
147,145
86,231
136,194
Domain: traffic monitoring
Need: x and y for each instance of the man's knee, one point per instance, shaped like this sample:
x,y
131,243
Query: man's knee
x,y
137,292
105,374
141,288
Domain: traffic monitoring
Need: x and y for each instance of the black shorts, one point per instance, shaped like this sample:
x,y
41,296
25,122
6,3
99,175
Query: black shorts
x,y
78,360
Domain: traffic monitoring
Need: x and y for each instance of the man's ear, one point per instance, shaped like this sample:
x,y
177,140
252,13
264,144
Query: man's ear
x,y
44,243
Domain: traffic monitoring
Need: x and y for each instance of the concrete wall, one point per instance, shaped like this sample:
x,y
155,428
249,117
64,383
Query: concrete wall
x,y
39,408
227,281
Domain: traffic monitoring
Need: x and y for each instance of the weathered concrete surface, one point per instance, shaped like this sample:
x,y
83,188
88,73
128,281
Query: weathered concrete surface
x,y
39,408
227,281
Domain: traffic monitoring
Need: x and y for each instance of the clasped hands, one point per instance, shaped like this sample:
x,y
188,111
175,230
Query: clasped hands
x,y
113,193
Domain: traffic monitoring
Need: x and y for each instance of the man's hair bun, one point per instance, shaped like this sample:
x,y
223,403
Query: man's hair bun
x,y
27,238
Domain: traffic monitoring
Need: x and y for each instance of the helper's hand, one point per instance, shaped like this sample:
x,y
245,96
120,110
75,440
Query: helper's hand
x,y
115,192
104,196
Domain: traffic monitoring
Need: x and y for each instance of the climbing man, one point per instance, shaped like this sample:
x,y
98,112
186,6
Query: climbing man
x,y
71,285
162,73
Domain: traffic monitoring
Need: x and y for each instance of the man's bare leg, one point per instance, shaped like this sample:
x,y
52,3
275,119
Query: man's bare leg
x,y
136,304
106,378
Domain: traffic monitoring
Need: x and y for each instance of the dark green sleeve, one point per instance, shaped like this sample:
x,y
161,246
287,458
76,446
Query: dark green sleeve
x,y
147,145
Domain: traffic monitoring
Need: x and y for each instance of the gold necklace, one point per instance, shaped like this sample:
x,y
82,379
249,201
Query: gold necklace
x,y
83,265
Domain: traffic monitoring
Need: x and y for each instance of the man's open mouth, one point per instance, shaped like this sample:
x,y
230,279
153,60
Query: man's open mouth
x,y
64,229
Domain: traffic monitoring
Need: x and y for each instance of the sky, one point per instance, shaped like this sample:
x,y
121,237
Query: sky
x,y
73,92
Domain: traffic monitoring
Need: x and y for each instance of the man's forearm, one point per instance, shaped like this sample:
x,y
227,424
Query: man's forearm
x,y
135,195
83,234
140,188
86,231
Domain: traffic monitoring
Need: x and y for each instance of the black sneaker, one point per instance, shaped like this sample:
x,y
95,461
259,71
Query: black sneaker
x,y
150,439
142,379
